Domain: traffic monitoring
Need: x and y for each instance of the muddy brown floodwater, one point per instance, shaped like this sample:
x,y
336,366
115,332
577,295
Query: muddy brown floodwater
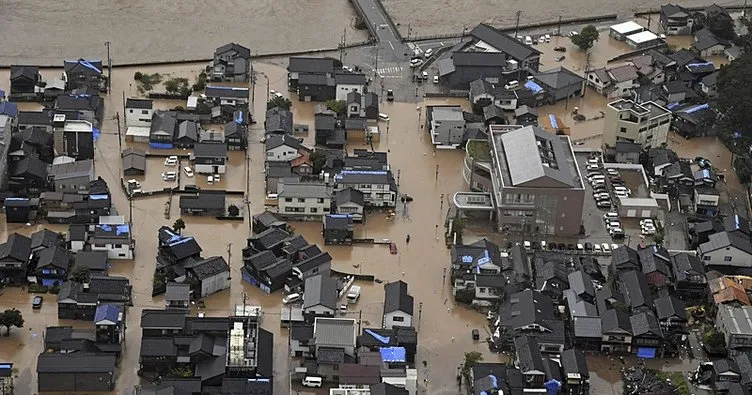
x,y
444,328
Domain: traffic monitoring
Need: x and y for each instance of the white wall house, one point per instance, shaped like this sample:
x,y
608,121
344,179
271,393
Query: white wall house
x,y
398,305
113,239
115,249
725,249
303,201
283,153
138,112
646,123
344,89
215,283
378,186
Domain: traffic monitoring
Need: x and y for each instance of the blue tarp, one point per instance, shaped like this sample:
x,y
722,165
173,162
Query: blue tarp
x,y
180,241
533,87
106,228
122,229
2,93
646,352
50,282
383,339
672,106
96,133
239,118
393,354
107,312
696,108
160,145
98,197
8,108
552,386
554,124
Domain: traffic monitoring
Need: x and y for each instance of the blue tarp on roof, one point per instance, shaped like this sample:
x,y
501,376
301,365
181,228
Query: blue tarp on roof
x,y
2,93
50,282
95,132
88,65
533,87
239,118
696,108
180,241
393,354
383,339
98,197
552,386
8,108
122,229
160,145
646,352
552,118
672,106
107,312
106,228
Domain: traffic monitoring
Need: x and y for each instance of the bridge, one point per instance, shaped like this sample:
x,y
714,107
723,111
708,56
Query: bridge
x,y
382,28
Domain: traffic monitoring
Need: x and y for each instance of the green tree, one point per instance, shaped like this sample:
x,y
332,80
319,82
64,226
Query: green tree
x,y
318,158
480,105
281,102
714,339
587,37
735,96
721,25
471,359
179,225
233,210
338,106
80,274
177,86
9,318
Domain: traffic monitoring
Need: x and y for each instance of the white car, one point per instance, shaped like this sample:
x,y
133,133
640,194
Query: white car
x,y
348,69
416,63
614,246
593,161
605,247
580,247
613,225
647,232
188,171
543,244
171,161
170,175
612,172
134,184
526,244
644,222
601,195
428,53
596,247
622,195
291,298
611,215
383,117
592,167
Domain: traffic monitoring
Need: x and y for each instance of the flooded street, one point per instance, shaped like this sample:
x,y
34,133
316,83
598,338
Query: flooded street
x,y
148,31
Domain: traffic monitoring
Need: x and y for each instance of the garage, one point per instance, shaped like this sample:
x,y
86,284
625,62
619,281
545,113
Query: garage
x,y
638,207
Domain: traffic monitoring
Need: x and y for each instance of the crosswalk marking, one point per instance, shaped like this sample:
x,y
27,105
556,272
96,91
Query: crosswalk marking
x,y
390,70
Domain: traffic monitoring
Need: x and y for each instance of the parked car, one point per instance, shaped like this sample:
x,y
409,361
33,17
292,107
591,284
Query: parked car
x,y
621,195
612,172
614,246
389,95
291,298
596,247
647,221
592,167
171,161
436,79
605,247
133,184
383,117
170,175
36,304
416,62
601,196
580,247
604,204
560,49
188,171
559,58
475,334
393,248
611,215
703,163
428,53
573,33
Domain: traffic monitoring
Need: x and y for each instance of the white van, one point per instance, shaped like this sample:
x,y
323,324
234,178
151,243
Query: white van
x,y
312,381
383,117
512,84
291,298
353,294
597,177
528,40
428,53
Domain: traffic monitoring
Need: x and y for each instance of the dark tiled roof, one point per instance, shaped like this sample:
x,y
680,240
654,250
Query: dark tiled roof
x,y
503,42
210,150
669,306
320,290
163,319
581,283
634,286
75,363
573,361
209,200
56,256
240,50
311,65
313,261
144,104
17,247
654,259
625,257
396,298
525,308
528,354
645,323
209,267
686,264
349,195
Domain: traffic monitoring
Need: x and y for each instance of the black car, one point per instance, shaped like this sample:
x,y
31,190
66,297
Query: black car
x,y
37,302
389,95
476,334
560,49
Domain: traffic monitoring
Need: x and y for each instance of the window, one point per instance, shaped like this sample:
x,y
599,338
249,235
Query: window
x,y
301,200
288,200
144,112
364,186
314,209
320,200
131,111
326,209
482,290
623,130
706,258
398,319
118,246
727,259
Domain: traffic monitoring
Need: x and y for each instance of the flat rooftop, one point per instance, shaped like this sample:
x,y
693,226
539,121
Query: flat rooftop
x,y
627,27
448,113
651,108
642,37
473,200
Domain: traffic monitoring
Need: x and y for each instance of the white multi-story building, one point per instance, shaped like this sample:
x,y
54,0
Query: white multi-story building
x,y
646,124
303,201
378,186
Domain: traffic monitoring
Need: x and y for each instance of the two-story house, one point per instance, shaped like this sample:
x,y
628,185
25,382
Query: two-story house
x,y
228,96
348,83
655,262
86,107
83,74
676,20
689,275
232,63
333,340
210,158
138,116
726,251
278,121
735,323
51,266
363,105
114,239
24,81
337,229
208,276
446,125
78,301
312,264
398,305
614,82
647,336
320,296
617,331
351,202
529,361
378,186
15,254
284,148
303,200
236,131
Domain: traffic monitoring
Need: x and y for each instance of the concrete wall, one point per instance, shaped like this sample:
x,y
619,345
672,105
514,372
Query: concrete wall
x,y
215,283
390,321
114,252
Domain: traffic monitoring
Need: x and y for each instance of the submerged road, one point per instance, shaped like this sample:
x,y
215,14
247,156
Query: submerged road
x,y
390,46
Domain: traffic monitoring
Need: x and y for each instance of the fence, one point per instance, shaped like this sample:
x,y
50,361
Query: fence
x,y
359,277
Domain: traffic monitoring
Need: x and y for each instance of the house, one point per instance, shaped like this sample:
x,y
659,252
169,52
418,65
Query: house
x,y
211,275
634,286
676,20
374,339
621,31
284,148
73,138
529,361
646,124
614,82
617,331
526,116
186,135
236,132
96,262
466,66
303,200
695,121
655,265
348,83
494,40
706,201
725,251
138,114
266,271
732,52
493,115
83,74
109,323
88,108
316,87
15,254
735,323
324,125
398,305
24,81
134,162
647,335
211,158
72,177
206,203
708,44
446,125
308,65
228,96
51,266
378,186
34,141
115,239
672,315
272,239
334,339
363,105
278,121
551,275
708,85
178,296
74,372
644,40
627,152
338,229
78,301
320,296
576,373
28,176
482,257
560,84
266,220
351,202
232,63
387,389
689,275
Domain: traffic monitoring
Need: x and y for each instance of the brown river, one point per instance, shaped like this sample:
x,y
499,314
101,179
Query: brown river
x,y
46,32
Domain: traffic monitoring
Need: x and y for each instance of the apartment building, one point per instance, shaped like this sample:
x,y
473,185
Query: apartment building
x,y
646,124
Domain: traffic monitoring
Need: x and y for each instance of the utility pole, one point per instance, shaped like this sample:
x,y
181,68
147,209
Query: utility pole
x,y
398,176
441,206
120,140
408,31
517,25
650,19
376,62
109,67
437,172
229,255
420,313
587,69
245,297
342,46
558,29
